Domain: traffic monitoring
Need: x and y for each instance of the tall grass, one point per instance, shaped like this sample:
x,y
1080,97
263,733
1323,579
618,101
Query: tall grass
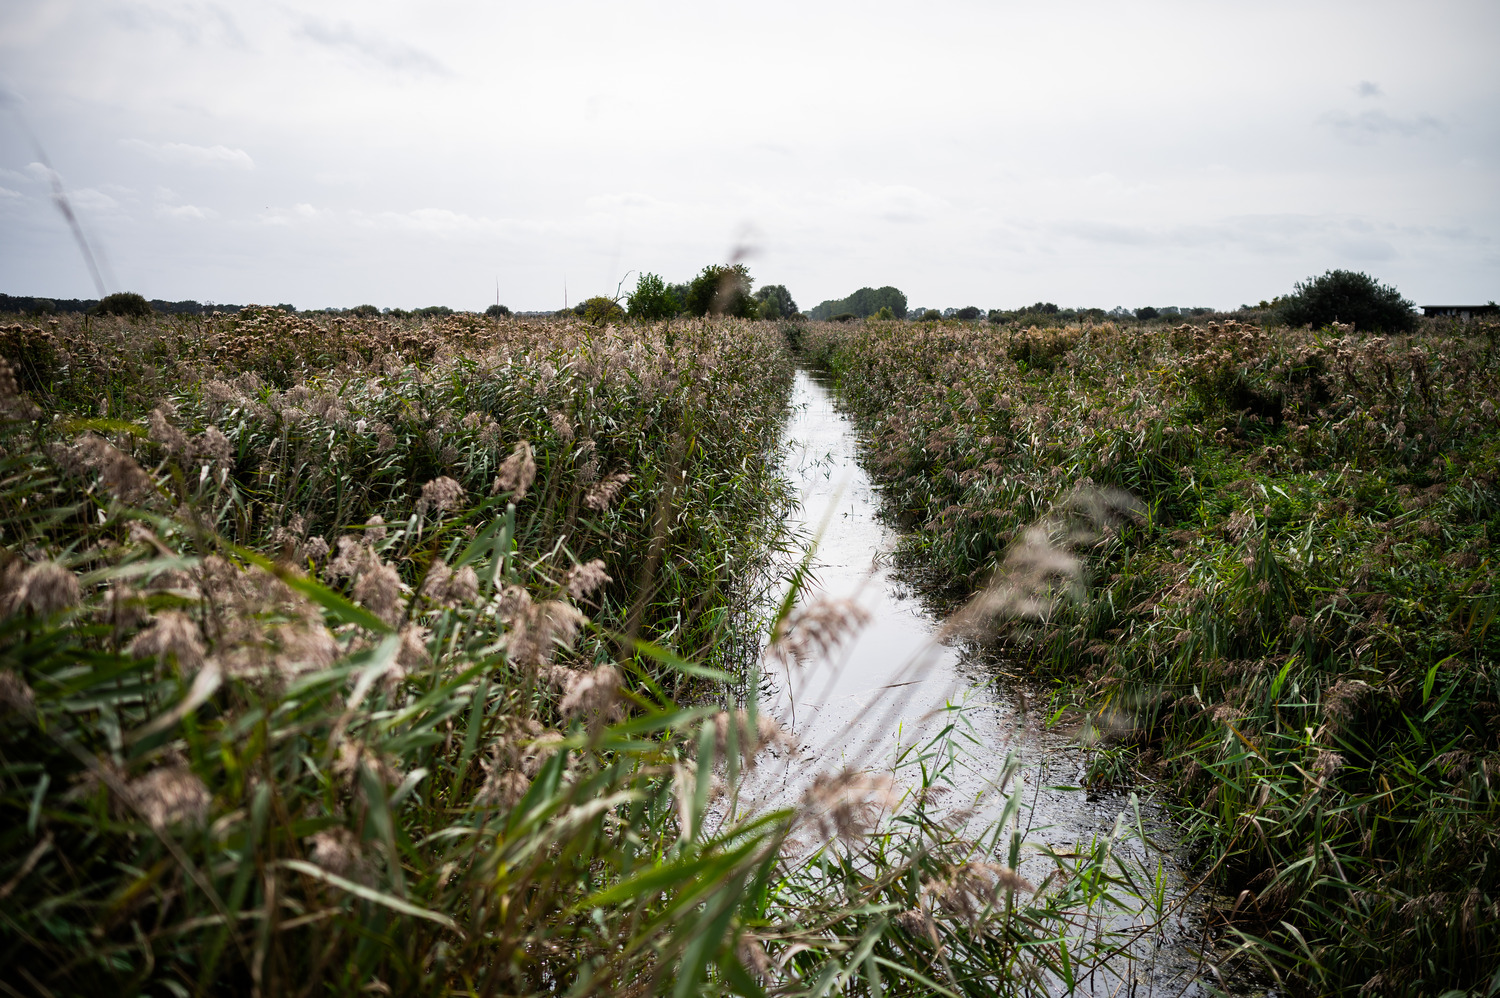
x,y
395,657
1296,635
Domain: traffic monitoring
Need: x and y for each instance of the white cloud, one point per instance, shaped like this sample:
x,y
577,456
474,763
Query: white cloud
x,y
187,211
186,154
6,192
1367,126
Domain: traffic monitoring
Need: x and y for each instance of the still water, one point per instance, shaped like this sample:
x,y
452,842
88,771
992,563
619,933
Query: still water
x,y
896,683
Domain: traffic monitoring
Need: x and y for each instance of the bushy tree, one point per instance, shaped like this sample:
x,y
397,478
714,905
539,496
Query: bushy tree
x,y
652,300
775,302
126,303
970,313
365,311
722,290
1348,296
885,313
1146,312
931,315
599,310
864,302
497,311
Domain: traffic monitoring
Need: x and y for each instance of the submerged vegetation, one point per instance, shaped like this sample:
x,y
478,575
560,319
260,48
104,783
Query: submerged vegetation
x,y
354,653
1294,631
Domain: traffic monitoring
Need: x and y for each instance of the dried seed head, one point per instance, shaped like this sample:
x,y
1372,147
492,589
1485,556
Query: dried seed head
x,y
502,788
516,473
172,634
970,890
441,494
375,529
12,402
536,629
750,740
379,589
15,696
212,447
170,795
594,698
848,804
816,630
338,851
582,580
118,471
604,491
450,588
46,587
160,429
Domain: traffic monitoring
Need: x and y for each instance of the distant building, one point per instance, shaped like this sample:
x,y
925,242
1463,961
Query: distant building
x,y
1462,312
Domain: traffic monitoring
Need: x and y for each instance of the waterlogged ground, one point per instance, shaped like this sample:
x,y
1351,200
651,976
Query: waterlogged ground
x,y
896,685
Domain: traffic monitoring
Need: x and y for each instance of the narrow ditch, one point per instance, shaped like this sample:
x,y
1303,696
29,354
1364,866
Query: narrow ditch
x,y
894,683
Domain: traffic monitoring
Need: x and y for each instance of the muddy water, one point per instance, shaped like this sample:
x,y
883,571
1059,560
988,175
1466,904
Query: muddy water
x,y
896,685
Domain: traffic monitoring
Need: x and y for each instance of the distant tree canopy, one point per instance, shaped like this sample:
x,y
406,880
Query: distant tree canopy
x,y
652,300
599,310
863,303
497,311
775,302
970,313
721,290
1146,312
1347,296
126,303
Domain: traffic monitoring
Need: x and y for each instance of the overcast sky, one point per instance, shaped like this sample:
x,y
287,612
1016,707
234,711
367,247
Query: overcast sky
x,y
995,154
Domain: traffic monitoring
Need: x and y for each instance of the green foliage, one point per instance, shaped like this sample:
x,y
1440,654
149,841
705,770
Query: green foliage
x,y
885,314
123,303
1349,297
365,311
497,311
932,315
721,290
600,310
775,302
1299,633
863,303
971,313
254,739
652,300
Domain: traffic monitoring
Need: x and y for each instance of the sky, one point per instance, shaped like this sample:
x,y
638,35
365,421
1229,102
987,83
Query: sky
x,y
992,154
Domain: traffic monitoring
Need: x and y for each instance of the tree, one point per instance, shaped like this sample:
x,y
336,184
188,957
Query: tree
x,y
885,313
1146,312
970,313
599,310
126,303
931,315
1347,296
497,311
775,302
721,290
652,300
864,303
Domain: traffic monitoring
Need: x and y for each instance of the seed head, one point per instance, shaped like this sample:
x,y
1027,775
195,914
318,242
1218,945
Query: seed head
x,y
170,795
441,494
172,634
46,587
816,630
516,473
604,491
582,580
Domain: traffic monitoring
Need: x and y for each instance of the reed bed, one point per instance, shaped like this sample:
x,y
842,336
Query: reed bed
x,y
364,656
1288,627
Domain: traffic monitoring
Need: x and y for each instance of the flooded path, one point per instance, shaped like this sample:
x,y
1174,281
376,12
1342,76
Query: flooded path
x,y
894,685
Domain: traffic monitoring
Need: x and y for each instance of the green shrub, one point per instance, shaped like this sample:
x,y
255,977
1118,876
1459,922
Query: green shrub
x,y
600,310
721,290
652,300
123,303
1351,297
497,311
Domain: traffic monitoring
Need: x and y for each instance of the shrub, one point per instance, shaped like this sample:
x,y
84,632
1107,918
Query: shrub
x,y
124,303
969,314
775,302
652,300
721,290
1146,312
599,310
885,313
844,317
365,311
931,315
1347,296
497,311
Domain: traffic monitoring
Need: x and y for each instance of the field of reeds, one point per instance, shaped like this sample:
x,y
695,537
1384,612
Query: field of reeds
x,y
1290,625
352,655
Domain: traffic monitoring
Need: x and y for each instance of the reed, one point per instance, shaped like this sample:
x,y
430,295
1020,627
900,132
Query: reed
x,y
1293,639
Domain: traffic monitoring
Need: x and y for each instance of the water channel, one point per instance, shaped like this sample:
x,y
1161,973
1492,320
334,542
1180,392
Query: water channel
x,y
895,684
